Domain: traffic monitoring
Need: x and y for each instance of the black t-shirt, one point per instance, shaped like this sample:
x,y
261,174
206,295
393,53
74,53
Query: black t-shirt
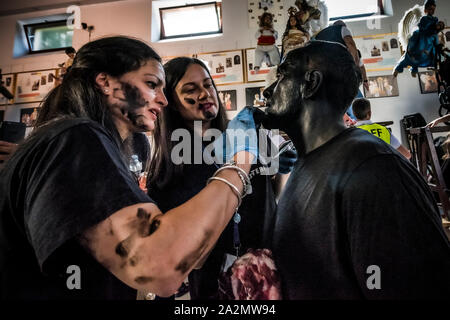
x,y
353,203
61,181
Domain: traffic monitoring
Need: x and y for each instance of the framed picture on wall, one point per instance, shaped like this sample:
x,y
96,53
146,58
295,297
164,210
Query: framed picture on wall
x,y
379,52
428,82
228,99
9,81
254,97
446,37
225,67
381,87
34,86
250,74
29,116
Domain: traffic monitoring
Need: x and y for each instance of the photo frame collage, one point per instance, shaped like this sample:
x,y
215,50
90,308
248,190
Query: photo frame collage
x,y
28,89
234,67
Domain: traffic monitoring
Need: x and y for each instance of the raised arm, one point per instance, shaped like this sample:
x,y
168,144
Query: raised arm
x,y
154,252
438,120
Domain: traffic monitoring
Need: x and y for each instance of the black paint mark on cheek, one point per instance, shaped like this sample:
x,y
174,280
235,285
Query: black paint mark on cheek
x,y
189,100
111,232
133,97
143,280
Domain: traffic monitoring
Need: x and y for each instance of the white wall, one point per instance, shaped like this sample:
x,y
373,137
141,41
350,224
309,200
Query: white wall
x,y
132,17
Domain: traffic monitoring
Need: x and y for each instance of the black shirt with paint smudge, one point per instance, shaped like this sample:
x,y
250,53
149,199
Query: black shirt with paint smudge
x,y
68,178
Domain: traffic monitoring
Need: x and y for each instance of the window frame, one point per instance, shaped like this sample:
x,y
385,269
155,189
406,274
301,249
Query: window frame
x,y
218,6
55,23
381,12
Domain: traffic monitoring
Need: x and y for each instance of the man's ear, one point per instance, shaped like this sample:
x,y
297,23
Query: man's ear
x,y
103,82
313,81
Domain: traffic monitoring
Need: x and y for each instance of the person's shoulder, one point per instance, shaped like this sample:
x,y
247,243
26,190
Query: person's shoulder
x,y
363,144
69,130
71,126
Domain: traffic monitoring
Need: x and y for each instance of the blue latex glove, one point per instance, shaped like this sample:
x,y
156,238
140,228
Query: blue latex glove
x,y
240,135
287,160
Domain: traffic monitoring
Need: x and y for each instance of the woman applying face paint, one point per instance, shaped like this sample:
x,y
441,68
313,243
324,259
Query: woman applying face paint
x,y
73,222
192,96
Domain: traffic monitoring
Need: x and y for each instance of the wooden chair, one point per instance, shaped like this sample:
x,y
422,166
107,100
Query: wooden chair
x,y
424,157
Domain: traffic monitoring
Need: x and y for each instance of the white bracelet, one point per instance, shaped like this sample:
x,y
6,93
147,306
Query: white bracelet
x,y
232,186
242,175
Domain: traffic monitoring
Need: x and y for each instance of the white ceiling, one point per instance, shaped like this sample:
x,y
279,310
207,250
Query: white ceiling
x,y
10,7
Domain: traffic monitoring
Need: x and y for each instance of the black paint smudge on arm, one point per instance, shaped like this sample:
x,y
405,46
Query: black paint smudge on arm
x,y
123,248
143,279
142,214
191,259
134,260
154,225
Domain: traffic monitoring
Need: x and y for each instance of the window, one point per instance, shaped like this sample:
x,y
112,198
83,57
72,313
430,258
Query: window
x,y
191,20
48,36
357,10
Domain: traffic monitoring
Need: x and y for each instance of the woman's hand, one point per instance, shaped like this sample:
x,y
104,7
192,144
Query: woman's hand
x,y
435,122
240,136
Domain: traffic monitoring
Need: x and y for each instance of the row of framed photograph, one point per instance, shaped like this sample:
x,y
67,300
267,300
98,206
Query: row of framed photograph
x,y
28,87
28,115
232,67
379,87
226,67
253,97
387,86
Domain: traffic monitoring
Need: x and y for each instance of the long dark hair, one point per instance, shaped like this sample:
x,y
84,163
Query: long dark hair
x,y
162,170
78,96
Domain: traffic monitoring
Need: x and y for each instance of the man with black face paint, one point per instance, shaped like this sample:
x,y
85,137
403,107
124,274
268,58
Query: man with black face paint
x,y
356,220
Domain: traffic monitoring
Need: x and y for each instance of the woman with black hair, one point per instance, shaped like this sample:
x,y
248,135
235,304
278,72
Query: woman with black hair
x,y
73,222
